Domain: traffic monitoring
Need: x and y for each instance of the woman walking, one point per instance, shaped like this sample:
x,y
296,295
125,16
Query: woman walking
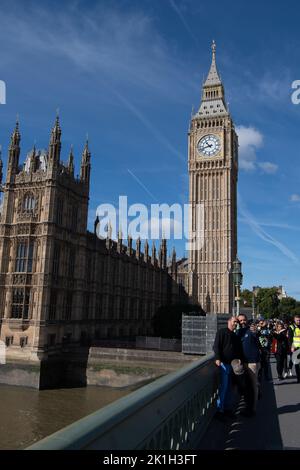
x,y
281,348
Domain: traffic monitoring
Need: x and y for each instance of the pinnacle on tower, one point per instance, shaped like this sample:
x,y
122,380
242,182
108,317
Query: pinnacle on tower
x,y
129,240
85,167
108,242
14,152
213,77
163,253
120,241
33,157
71,161
213,96
138,248
56,131
146,251
15,136
55,144
153,254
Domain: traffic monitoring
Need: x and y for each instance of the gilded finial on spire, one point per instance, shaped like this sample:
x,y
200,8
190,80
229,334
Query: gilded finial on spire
x,y
213,77
213,47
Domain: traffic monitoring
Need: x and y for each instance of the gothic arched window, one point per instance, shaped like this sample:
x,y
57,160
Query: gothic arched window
x,y
29,202
24,257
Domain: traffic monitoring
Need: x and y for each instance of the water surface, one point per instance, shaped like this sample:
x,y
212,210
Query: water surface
x,y
27,415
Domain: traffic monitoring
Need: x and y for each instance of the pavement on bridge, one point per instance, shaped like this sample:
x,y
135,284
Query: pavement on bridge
x,y
276,425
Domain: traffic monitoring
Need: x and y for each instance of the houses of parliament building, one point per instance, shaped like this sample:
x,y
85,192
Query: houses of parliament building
x,y
61,284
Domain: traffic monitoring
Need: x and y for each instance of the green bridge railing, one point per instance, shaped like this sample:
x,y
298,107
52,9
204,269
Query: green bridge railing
x,y
170,413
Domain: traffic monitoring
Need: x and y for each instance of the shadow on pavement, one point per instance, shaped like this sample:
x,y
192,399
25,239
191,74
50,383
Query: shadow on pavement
x,y
288,409
261,432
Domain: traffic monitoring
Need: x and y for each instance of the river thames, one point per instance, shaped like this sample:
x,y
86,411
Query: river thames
x,y
28,415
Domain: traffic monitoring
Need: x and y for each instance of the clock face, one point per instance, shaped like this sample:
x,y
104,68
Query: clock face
x,y
209,145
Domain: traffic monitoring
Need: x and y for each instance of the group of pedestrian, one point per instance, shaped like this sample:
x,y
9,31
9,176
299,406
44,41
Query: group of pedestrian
x,y
242,351
286,340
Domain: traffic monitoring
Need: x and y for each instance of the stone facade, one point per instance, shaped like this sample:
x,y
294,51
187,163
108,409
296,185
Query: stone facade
x,y
213,174
61,285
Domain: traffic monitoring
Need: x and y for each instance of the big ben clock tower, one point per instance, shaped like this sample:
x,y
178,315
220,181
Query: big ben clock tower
x,y
213,173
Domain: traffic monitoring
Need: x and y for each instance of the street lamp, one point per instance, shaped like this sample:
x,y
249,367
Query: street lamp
x,y
237,282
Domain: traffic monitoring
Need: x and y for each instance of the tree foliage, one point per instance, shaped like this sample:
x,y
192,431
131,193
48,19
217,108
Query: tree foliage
x,y
268,304
246,298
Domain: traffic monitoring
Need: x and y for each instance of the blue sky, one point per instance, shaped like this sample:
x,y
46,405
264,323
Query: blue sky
x,y
129,72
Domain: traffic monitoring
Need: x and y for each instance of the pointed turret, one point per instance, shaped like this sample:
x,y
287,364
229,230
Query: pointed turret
x,y
163,254
119,243
130,251
174,263
213,77
71,162
138,248
55,144
33,162
213,96
85,167
146,251
14,152
153,254
108,237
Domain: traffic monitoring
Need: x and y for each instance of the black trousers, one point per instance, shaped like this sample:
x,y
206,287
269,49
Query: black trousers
x,y
245,388
264,364
280,361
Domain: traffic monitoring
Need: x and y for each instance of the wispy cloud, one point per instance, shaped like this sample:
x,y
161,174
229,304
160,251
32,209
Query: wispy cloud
x,y
183,20
250,140
123,47
262,234
275,89
295,198
125,54
268,167
142,185
273,225
149,125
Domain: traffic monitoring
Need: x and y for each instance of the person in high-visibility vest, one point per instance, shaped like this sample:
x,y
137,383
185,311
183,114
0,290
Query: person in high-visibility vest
x,y
294,341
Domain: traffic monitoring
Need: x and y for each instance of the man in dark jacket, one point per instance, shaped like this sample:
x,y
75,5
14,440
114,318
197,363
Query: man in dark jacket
x,y
227,346
251,351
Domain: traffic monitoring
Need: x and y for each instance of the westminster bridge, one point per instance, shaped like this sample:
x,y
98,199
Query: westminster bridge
x,y
177,412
